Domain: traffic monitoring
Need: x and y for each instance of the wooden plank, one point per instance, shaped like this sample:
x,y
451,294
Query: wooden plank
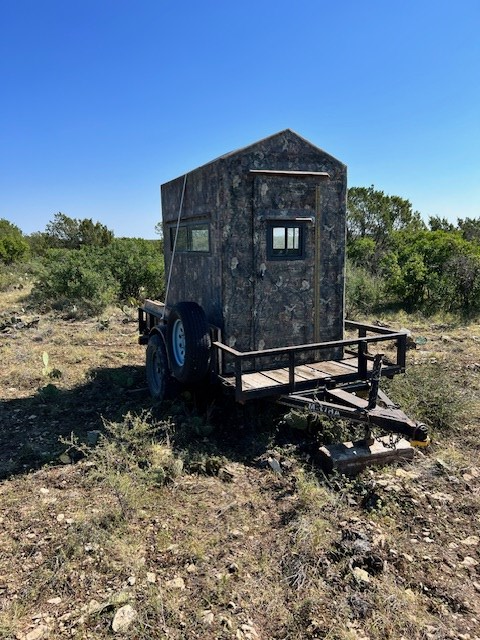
x,y
310,374
332,368
352,362
278,375
256,381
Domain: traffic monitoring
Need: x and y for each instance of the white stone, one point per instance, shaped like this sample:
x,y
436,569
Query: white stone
x,y
123,618
38,633
176,583
469,562
361,575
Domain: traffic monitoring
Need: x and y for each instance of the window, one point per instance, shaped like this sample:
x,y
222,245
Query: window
x,y
191,237
285,240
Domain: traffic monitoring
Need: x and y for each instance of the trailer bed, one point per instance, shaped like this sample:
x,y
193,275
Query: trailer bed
x,y
276,379
354,364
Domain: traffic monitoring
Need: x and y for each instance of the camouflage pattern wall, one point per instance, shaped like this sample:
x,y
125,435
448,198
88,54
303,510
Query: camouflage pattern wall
x,y
258,301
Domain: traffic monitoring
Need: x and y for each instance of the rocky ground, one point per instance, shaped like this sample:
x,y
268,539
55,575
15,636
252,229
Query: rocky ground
x,y
198,521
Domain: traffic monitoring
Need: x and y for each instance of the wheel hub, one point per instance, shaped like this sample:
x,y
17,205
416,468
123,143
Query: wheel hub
x,y
178,342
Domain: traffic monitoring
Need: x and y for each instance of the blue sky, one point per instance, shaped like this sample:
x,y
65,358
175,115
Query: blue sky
x,y
103,100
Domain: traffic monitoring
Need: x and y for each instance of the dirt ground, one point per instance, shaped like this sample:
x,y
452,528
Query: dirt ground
x,y
225,546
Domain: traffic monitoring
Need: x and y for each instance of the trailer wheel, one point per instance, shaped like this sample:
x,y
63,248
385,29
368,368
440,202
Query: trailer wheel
x,y
159,379
188,342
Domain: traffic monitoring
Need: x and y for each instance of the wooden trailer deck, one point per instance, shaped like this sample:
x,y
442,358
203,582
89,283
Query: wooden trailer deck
x,y
355,364
313,372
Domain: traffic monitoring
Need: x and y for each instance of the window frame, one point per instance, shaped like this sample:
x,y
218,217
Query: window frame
x,y
273,254
188,227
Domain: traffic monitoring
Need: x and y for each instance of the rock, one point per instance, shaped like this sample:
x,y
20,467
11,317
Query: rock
x,y
226,622
227,473
38,633
54,600
442,464
476,586
151,577
44,491
131,581
60,517
471,541
123,618
176,583
236,533
248,631
95,607
441,497
468,562
207,617
274,465
361,575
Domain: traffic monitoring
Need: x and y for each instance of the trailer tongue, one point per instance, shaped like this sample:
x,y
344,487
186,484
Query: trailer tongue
x,y
378,411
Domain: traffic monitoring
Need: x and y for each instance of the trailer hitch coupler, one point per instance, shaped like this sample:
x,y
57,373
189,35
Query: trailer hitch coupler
x,y
420,436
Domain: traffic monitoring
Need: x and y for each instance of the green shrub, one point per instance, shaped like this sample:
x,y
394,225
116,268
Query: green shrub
x,y
137,267
93,277
427,393
364,292
78,278
433,271
130,458
13,246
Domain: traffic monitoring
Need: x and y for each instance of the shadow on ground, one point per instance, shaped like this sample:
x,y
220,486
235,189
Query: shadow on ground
x,y
33,428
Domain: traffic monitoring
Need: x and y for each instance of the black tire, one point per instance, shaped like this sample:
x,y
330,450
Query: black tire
x,y
159,379
188,342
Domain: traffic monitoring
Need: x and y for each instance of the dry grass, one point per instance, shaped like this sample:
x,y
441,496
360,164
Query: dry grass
x,y
198,536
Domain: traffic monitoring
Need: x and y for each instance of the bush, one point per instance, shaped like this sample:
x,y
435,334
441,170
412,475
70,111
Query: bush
x,y
364,292
432,271
137,267
13,246
428,394
91,278
77,278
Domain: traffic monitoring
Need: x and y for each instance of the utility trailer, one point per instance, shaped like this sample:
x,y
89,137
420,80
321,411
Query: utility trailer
x,y
254,246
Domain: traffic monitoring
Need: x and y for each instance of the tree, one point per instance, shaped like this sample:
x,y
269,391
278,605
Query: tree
x,y
371,213
440,224
374,216
470,228
70,233
13,246
433,270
